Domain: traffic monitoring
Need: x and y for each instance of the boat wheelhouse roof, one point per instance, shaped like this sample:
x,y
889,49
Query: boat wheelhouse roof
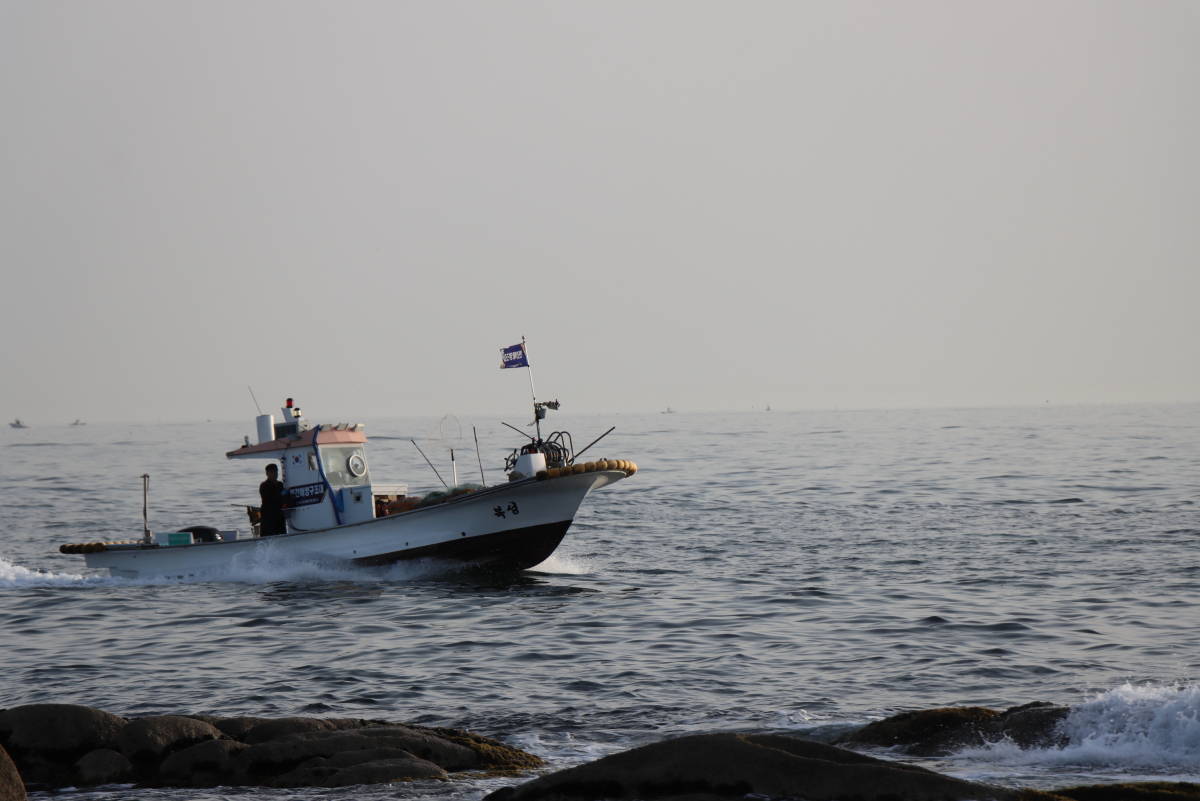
x,y
340,434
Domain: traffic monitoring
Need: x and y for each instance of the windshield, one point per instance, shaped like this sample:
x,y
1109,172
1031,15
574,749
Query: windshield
x,y
345,465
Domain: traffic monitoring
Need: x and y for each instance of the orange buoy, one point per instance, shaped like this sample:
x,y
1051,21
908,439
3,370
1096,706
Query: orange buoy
x,y
632,468
542,475
578,469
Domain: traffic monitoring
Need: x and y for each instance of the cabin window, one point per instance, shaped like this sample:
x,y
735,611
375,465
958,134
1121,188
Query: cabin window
x,y
345,465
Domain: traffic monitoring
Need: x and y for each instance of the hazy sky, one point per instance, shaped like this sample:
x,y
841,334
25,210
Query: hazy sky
x,y
703,205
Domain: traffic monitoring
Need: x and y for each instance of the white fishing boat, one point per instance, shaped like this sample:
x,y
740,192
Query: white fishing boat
x,y
17,424
336,509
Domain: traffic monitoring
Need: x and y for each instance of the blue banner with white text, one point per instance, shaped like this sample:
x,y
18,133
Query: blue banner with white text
x,y
514,356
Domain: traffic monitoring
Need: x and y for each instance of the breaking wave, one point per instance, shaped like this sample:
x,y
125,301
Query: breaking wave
x,y
1146,727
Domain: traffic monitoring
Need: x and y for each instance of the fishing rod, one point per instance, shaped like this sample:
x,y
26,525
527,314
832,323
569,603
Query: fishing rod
x,y
426,458
519,431
593,442
481,478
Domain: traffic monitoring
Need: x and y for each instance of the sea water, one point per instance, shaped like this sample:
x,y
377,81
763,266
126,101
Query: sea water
x,y
795,572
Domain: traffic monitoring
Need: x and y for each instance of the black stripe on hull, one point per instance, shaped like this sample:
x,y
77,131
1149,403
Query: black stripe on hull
x,y
516,549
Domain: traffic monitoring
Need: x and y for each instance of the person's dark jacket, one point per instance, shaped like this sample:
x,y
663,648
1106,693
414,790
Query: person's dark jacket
x,y
270,492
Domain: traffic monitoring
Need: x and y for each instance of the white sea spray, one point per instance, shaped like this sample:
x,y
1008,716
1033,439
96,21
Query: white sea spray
x,y
15,576
1142,727
565,564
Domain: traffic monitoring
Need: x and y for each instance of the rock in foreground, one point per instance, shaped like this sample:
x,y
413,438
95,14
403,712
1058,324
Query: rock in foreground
x,y
733,765
1133,791
56,745
11,786
42,738
939,732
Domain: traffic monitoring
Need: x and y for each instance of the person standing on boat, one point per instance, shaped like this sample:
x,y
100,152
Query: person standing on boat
x,y
271,494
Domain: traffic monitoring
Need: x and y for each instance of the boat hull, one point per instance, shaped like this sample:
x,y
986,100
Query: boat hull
x,y
515,549
511,527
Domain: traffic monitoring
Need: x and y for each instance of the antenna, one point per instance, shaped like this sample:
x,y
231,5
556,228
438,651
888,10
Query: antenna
x,y
256,406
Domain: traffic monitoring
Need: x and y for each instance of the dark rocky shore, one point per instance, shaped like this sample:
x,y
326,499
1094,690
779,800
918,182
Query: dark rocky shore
x,y
711,767
59,745
939,732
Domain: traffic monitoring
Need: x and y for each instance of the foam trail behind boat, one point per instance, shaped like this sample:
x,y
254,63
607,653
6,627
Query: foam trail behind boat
x,y
266,567
15,577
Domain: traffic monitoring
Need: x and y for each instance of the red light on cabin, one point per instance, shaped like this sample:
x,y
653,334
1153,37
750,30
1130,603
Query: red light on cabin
x,y
289,403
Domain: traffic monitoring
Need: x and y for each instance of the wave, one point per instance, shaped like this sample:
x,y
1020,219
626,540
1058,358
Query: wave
x,y
564,564
269,565
1147,727
50,445
262,566
20,577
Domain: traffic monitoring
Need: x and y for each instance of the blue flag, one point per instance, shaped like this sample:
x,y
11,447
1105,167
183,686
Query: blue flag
x,y
514,356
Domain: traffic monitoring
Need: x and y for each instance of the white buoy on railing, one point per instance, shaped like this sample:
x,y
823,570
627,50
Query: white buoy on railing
x,y
457,437
146,540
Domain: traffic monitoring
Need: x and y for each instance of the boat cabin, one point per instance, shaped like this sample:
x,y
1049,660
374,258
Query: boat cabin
x,y
323,469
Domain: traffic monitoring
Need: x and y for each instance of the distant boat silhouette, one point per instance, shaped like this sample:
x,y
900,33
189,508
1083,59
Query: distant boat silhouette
x,y
768,407
78,422
18,424
668,411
